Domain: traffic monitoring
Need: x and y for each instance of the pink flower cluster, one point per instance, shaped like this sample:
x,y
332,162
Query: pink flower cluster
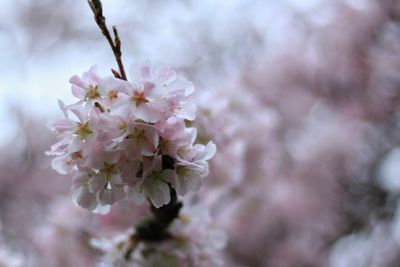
x,y
194,242
116,137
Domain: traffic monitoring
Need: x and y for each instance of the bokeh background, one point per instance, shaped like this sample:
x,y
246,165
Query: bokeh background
x,y
302,98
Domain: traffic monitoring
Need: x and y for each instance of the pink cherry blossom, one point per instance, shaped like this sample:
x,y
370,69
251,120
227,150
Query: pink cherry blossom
x,y
153,183
86,87
140,140
113,139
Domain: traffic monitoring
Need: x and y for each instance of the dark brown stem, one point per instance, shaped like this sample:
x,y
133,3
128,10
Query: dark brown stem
x,y
115,44
155,227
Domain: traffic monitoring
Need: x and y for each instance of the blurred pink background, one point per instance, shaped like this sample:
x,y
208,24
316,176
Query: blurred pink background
x,y
302,98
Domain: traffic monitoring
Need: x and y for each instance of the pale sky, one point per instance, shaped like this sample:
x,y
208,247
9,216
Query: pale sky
x,y
35,82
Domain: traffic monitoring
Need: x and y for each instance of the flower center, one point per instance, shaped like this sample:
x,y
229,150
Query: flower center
x,y
83,130
112,94
122,125
109,170
138,98
74,157
137,134
182,171
93,92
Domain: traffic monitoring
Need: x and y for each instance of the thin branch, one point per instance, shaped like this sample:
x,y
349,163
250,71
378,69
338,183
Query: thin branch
x,y
115,44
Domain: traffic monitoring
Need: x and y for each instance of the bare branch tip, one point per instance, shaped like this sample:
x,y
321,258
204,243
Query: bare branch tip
x,y
116,74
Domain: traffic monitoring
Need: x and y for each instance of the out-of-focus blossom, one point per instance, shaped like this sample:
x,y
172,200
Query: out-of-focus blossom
x,y
377,248
10,259
194,242
73,233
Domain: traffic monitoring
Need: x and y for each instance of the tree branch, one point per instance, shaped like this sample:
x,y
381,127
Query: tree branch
x,y
115,43
155,227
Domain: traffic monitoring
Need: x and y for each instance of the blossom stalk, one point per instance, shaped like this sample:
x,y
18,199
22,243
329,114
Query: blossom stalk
x,y
115,44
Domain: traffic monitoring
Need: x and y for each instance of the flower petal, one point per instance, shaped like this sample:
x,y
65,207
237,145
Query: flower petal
x,y
137,195
165,75
97,183
159,194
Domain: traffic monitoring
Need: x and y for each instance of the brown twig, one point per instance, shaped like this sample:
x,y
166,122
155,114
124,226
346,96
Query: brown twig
x,y
115,43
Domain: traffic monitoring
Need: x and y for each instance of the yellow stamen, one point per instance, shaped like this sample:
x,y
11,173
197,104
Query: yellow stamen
x,y
123,125
93,92
138,98
137,134
112,94
83,130
109,170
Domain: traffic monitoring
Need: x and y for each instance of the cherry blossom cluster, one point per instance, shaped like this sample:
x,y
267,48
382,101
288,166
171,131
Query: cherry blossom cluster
x,y
130,139
194,242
